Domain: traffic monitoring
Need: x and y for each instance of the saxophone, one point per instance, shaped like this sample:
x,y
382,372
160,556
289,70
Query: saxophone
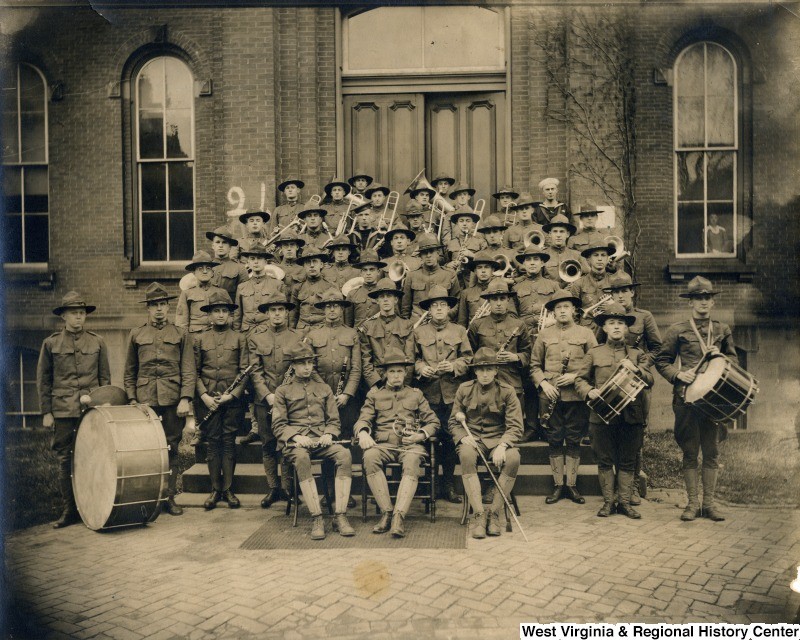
x,y
552,405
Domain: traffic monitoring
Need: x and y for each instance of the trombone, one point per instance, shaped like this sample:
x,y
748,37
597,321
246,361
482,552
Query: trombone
x,y
480,205
297,222
353,200
513,214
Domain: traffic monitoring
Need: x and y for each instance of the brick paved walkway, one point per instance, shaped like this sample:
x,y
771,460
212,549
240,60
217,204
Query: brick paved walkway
x,y
186,577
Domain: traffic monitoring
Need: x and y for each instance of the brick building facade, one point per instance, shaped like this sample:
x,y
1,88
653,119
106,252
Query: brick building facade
x,y
280,91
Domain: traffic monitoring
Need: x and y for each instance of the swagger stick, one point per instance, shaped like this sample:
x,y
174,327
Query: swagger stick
x,y
463,420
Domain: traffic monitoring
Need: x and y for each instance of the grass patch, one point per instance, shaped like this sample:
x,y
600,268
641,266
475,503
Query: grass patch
x,y
757,467
32,495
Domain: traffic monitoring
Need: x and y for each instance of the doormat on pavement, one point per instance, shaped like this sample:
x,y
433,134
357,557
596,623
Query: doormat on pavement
x,y
421,533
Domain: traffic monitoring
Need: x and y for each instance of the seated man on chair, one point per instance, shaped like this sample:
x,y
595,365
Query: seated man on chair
x,y
305,419
494,417
394,421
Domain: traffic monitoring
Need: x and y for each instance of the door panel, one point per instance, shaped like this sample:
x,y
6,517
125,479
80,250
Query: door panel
x,y
384,136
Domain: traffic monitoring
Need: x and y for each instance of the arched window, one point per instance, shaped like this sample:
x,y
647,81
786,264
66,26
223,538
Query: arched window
x,y
25,174
164,146
707,152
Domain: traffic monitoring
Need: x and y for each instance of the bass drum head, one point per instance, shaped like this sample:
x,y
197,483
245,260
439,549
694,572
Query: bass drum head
x,y
94,470
108,394
705,381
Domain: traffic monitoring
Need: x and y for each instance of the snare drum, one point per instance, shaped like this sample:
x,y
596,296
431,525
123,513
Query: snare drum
x,y
617,393
723,390
120,467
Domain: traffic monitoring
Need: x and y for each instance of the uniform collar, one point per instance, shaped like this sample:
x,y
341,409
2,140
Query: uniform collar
x,y
159,325
597,276
74,334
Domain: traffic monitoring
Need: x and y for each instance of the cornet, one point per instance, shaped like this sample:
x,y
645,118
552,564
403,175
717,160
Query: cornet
x,y
546,319
591,312
619,248
397,270
444,205
535,238
569,270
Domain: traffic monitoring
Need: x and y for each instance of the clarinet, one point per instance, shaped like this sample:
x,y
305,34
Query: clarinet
x,y
513,335
236,382
342,376
288,376
552,405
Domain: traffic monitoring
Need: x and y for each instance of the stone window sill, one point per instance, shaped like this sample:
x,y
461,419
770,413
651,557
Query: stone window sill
x,y
40,273
680,270
163,274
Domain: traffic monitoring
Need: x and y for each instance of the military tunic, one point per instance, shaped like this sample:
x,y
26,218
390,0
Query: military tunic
x,y
493,413
557,256
514,236
284,214
317,239
229,275
338,274
307,294
334,345
335,212
642,334
418,284
380,334
532,294
589,288
250,294
470,302
363,306
295,275
437,344
188,315
492,331
411,261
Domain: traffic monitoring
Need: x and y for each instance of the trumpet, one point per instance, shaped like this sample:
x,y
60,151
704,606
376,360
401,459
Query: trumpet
x,y
546,319
461,257
619,248
591,312
535,238
482,312
569,270
397,270
512,215
505,265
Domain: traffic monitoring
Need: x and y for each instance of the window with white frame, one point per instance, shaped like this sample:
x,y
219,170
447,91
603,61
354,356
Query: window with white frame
x,y
25,172
706,109
164,142
22,398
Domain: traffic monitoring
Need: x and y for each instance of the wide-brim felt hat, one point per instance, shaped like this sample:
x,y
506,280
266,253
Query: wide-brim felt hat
x,y
391,233
275,301
561,296
484,357
359,173
437,293
249,214
156,292
300,351
313,252
385,285
619,281
597,247
337,182
201,258
531,251
588,209
428,242
506,191
376,187
492,223
370,258
614,310
282,186
460,213
224,233
699,286
73,300
484,257
258,251
332,297
394,357
498,287
525,200
460,188
289,236
305,212
340,241
443,177
413,210
219,299
559,221
362,207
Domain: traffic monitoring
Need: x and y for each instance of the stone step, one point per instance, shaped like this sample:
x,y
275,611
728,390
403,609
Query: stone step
x,y
530,453
533,479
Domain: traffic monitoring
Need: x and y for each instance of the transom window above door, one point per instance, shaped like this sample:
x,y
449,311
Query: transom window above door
x,y
396,40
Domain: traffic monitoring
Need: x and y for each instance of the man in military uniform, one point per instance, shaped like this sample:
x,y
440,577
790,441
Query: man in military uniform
x,y
359,182
394,422
220,353
286,212
363,307
339,270
443,351
306,421
555,360
266,347
551,207
72,363
589,287
442,183
516,235
493,231
460,195
255,225
335,205
418,283
398,240
160,372
386,331
493,414
421,196
229,273
588,235
644,335
310,291
615,443
483,266
558,231
505,198
363,235
464,243
252,292
315,234
188,315
416,225
288,247
377,194
691,340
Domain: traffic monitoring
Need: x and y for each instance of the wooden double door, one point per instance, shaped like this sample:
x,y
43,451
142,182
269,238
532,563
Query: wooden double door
x,y
393,136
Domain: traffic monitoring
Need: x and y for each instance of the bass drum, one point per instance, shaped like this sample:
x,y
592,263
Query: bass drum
x,y
723,390
120,467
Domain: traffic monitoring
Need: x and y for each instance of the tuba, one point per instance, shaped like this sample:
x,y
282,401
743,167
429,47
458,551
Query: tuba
x,y
505,265
619,247
569,270
535,238
351,285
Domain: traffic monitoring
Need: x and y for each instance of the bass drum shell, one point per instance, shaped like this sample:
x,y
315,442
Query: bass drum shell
x,y
120,466
723,390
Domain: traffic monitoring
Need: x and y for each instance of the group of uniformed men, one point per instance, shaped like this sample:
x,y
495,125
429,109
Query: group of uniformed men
x,y
387,366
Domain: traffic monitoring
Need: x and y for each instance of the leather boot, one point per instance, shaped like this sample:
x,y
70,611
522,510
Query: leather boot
x,y
636,498
398,520
318,528
710,509
557,467
212,500
472,487
625,482
172,508
606,479
342,526
487,497
493,519
492,523
272,497
69,512
231,499
572,464
250,438
477,527
449,494
692,509
384,524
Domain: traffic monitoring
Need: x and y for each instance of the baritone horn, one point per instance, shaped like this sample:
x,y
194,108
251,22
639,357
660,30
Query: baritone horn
x,y
351,285
505,265
569,270
619,247
396,270
275,271
534,238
